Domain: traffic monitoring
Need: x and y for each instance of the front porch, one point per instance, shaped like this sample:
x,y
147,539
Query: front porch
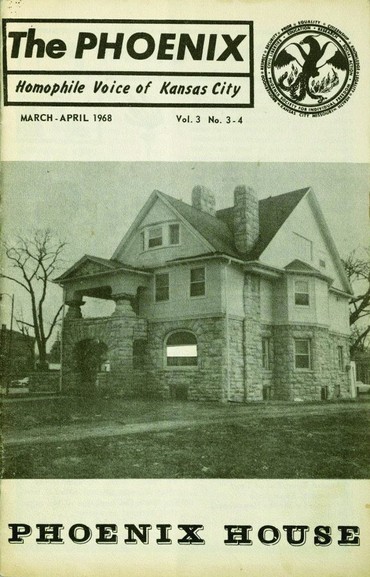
x,y
99,353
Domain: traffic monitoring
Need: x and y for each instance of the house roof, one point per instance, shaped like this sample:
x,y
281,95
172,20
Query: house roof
x,y
113,263
214,230
217,230
108,264
300,266
273,212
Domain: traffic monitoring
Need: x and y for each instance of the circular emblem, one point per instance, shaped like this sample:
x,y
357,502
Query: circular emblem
x,y
310,68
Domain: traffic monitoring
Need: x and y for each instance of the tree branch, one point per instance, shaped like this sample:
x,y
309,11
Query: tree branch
x,y
54,322
14,280
35,259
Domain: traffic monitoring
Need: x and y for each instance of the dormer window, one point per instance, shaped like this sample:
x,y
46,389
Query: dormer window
x,y
174,233
155,237
161,235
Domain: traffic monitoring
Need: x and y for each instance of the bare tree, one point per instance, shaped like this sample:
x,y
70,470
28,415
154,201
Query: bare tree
x,y
34,260
357,266
25,329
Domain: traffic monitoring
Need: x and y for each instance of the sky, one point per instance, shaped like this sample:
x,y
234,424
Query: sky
x,y
92,204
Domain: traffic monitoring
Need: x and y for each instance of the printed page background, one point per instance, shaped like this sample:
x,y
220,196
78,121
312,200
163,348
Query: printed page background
x,y
268,134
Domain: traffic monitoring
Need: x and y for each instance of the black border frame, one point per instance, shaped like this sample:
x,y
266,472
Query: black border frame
x,y
249,75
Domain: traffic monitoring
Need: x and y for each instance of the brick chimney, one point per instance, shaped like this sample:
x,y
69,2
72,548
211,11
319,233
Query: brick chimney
x,y
203,199
246,218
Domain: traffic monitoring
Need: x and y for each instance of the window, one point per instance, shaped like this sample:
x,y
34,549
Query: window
x,y
162,287
302,353
161,235
324,393
174,233
181,350
266,353
197,282
301,293
155,237
340,358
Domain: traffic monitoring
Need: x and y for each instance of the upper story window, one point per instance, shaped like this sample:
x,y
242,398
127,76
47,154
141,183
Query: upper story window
x,y
301,293
155,236
162,287
197,281
161,235
174,233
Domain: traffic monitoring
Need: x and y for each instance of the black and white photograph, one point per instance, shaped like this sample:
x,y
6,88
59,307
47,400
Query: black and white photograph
x,y
186,320
184,288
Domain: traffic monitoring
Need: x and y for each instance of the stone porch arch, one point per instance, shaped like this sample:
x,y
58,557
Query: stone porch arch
x,y
88,357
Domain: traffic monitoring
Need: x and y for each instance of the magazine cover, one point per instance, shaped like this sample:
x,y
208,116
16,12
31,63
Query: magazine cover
x,y
184,297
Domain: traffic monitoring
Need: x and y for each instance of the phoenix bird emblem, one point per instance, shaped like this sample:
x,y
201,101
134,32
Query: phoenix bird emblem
x,y
304,78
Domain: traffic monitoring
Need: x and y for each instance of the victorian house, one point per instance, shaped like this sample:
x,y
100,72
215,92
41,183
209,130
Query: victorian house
x,y
241,304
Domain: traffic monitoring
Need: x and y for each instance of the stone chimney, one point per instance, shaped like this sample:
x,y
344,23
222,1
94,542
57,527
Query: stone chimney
x,y
203,199
246,218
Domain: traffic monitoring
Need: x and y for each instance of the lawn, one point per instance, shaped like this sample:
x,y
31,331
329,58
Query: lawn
x,y
255,445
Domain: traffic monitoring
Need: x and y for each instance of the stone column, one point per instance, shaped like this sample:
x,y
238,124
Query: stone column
x,y
122,323
252,339
123,306
73,320
74,309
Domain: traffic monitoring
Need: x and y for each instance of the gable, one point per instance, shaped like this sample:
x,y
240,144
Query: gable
x,y
291,227
214,229
87,268
160,215
273,212
305,237
158,212
89,265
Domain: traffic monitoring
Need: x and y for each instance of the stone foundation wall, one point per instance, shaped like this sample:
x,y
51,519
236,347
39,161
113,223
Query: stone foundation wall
x,y
229,358
267,374
117,332
236,360
340,377
324,377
